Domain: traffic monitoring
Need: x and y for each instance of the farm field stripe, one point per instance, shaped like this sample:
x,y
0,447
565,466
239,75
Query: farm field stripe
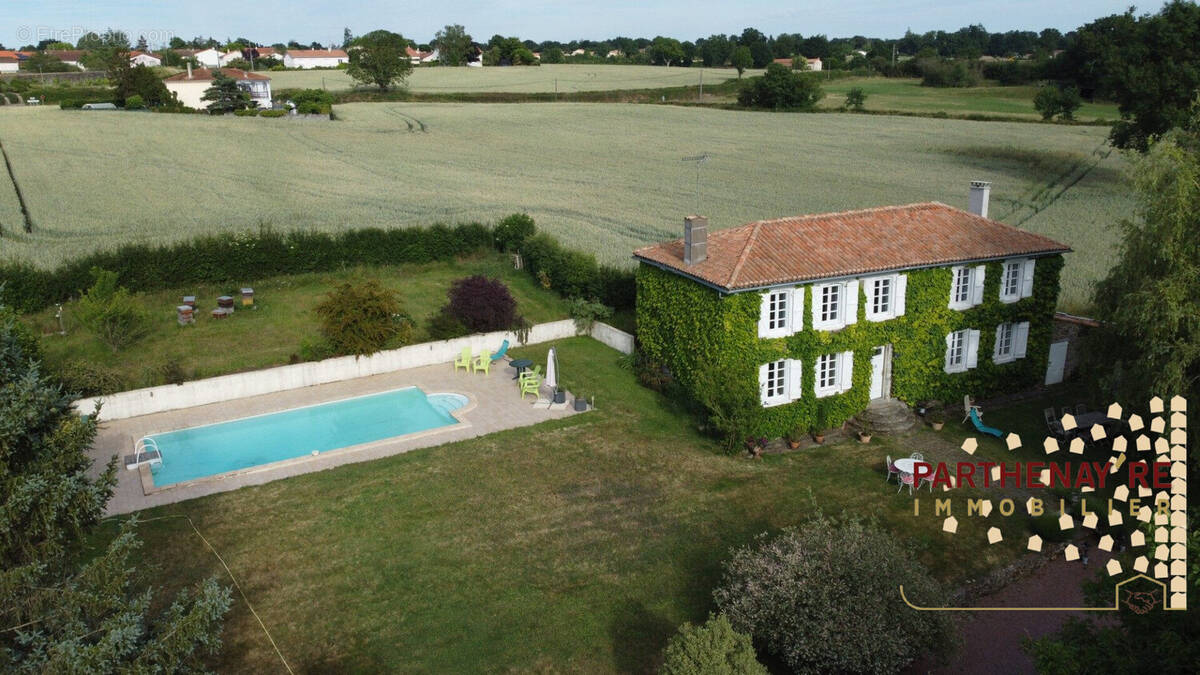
x,y
17,188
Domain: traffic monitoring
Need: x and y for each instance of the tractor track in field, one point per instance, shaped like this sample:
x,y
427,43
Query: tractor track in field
x,y
1043,195
12,176
414,124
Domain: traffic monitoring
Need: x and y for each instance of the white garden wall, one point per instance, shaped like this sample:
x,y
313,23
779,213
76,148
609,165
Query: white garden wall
x,y
613,337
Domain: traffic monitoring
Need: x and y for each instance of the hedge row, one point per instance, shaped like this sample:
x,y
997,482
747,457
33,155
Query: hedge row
x,y
245,257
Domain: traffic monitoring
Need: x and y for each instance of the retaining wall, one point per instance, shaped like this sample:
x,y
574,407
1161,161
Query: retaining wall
x,y
269,380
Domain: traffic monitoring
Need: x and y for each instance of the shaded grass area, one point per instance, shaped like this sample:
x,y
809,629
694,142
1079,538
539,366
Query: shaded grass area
x,y
574,545
272,334
907,95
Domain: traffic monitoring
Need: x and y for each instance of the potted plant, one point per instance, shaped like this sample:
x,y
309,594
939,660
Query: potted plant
x,y
864,432
794,436
937,419
819,425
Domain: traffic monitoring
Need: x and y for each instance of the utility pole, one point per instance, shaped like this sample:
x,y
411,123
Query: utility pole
x,y
700,99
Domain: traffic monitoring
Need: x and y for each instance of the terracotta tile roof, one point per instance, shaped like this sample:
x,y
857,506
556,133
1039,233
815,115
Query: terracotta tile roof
x,y
66,54
207,74
830,245
316,54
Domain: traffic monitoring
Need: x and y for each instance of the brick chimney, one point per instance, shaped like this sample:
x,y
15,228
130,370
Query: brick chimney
x,y
695,239
981,190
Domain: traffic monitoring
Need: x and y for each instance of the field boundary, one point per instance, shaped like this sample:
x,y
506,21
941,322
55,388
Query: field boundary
x,y
12,176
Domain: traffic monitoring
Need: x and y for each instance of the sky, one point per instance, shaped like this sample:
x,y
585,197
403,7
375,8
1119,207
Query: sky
x,y
268,21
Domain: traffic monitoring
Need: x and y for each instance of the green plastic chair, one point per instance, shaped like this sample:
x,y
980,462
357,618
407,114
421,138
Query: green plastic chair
x,y
484,363
531,385
535,372
464,360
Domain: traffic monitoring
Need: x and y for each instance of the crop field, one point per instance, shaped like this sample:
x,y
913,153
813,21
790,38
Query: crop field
x,y
907,95
520,80
605,178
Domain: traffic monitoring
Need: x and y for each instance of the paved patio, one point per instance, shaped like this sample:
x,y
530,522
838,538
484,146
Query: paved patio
x,y
495,404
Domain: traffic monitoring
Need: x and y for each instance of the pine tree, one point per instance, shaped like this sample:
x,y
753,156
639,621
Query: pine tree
x,y
225,95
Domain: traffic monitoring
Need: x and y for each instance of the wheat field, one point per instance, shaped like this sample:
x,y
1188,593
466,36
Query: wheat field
x,y
563,78
602,177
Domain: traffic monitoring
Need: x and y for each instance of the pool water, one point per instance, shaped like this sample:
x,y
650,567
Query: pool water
x,y
253,441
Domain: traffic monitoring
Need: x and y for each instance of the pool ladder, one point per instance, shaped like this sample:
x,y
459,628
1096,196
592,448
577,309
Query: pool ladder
x,y
145,451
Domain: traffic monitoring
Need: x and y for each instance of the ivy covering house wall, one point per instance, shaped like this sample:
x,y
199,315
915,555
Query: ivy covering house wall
x,y
687,327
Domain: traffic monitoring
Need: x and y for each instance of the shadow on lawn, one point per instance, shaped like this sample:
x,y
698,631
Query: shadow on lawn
x,y
638,637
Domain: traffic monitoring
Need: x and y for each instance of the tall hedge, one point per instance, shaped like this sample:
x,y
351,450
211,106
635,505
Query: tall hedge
x,y
686,326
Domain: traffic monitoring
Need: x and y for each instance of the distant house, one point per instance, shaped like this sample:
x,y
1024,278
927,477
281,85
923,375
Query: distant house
x,y
614,54
578,52
189,87
813,64
147,59
9,64
315,58
71,57
826,315
209,58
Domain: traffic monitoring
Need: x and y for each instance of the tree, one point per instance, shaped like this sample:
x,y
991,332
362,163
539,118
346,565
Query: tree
x,y
856,98
347,38
482,304
713,648
781,88
225,95
824,598
1148,343
108,311
177,43
664,51
552,55
142,46
381,59
362,318
1052,100
39,62
741,59
72,616
513,230
454,45
715,50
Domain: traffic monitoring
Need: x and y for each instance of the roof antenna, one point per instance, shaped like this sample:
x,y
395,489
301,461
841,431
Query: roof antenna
x,y
700,159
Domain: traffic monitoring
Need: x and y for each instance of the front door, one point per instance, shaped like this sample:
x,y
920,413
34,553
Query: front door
x,y
881,367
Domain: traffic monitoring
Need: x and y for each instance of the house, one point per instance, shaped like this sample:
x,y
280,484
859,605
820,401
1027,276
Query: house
x,y
820,316
315,58
209,58
189,87
10,61
137,58
577,52
614,54
71,57
813,64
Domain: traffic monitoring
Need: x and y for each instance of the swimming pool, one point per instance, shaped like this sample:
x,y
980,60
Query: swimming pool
x,y
214,449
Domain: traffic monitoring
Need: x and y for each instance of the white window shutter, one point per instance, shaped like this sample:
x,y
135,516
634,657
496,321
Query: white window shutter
x,y
762,384
1020,339
850,309
947,368
796,311
953,286
996,346
972,348
764,312
846,371
816,308
900,288
1027,278
794,379
977,284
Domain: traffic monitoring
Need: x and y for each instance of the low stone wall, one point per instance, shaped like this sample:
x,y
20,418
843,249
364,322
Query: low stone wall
x,y
613,337
258,382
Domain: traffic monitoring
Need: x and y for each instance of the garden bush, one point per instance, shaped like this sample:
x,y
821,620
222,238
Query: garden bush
x,y
713,648
135,102
83,378
362,318
585,313
481,304
443,326
823,598
108,311
272,113
248,112
780,88
513,230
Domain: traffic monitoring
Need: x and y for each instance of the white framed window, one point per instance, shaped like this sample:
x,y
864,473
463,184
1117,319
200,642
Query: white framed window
x,y
1012,340
779,382
1010,281
835,305
885,296
834,373
966,286
780,313
962,350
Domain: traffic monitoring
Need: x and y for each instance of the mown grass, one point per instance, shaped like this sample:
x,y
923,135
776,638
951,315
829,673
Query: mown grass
x,y
907,95
600,177
539,79
272,334
572,546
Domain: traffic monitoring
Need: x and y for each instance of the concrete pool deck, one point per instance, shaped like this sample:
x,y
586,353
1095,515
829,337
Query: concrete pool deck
x,y
495,404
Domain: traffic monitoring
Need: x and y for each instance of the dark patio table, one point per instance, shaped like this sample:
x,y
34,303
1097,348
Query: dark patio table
x,y
520,365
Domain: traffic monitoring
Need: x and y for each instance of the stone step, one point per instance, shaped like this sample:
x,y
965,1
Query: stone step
x,y
886,416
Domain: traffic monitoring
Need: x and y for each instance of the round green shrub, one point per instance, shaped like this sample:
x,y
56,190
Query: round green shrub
x,y
713,648
135,102
824,598
513,231
362,318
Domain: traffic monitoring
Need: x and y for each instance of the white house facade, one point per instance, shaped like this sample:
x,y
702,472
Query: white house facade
x,y
144,59
189,87
315,58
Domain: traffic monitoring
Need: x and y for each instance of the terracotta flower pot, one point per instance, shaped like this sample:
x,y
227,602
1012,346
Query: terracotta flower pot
x,y
864,438
937,426
819,438
793,444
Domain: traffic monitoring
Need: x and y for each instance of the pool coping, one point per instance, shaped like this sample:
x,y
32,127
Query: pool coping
x,y
147,477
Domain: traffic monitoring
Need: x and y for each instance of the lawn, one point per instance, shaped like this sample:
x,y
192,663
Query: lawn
x,y
908,96
272,334
605,178
576,545
549,78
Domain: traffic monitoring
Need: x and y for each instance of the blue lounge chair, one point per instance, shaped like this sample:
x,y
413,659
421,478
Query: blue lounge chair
x,y
979,425
500,352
